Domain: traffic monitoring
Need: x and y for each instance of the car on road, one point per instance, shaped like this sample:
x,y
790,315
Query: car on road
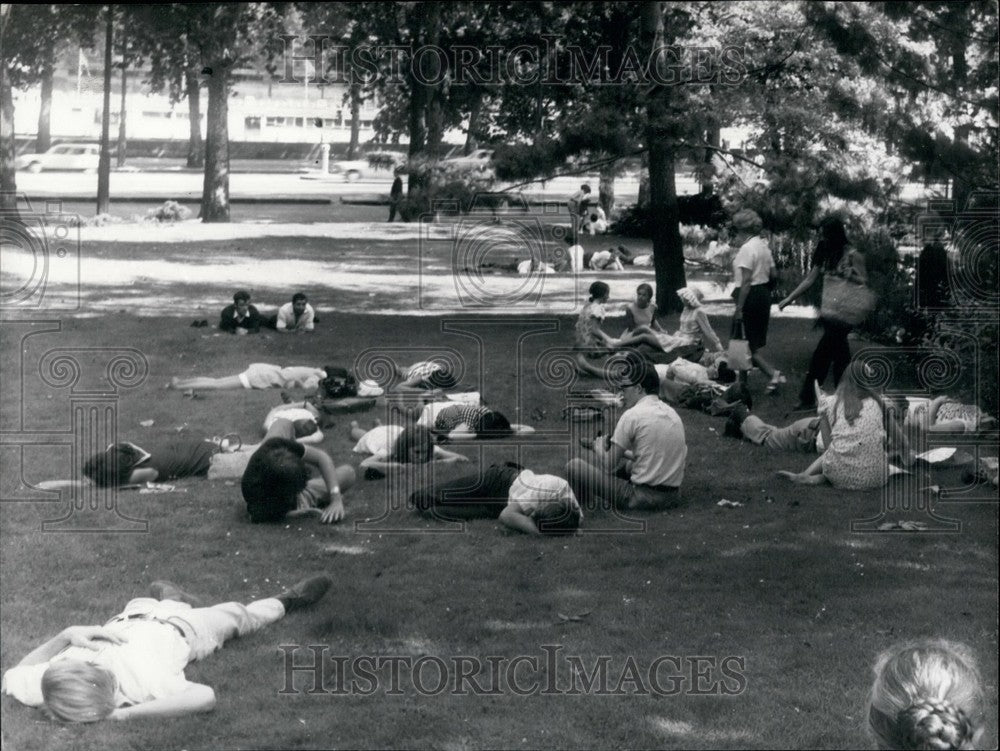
x,y
351,169
478,159
63,156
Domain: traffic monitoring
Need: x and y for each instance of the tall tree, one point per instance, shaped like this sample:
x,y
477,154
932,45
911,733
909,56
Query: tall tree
x,y
23,62
104,165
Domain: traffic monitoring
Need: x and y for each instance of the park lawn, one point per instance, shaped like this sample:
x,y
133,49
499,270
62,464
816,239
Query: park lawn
x,y
781,586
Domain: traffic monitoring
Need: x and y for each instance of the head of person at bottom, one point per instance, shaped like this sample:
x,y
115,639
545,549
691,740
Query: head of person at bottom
x,y
635,376
927,694
77,691
299,302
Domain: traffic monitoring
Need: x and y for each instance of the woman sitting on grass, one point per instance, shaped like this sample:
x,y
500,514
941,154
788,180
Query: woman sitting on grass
x,y
693,328
519,498
393,446
855,426
592,342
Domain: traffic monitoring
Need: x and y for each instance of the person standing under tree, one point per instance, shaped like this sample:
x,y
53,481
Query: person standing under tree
x,y
395,196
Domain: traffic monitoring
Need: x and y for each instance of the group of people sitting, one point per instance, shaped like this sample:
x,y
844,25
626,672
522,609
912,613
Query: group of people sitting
x,y
243,318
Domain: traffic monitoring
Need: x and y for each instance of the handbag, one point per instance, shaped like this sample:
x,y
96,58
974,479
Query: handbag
x,y
847,298
738,351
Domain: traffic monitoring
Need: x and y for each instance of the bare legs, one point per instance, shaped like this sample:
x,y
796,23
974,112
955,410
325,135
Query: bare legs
x,y
812,475
226,382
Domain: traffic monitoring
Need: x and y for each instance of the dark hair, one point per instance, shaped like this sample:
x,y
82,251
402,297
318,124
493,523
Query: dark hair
x,y
241,294
585,188
299,296
271,485
415,436
112,467
598,290
493,425
565,524
636,370
832,243
644,286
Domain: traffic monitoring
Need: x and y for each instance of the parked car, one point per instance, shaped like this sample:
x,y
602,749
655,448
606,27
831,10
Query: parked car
x,y
64,156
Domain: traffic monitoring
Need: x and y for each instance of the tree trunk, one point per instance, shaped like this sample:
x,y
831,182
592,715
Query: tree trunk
x,y
713,136
606,189
425,16
642,201
8,180
472,135
215,192
122,144
196,150
44,138
668,251
104,165
352,147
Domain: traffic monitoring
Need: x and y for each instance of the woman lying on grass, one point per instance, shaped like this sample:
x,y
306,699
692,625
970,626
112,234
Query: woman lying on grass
x,y
393,446
468,422
519,498
855,426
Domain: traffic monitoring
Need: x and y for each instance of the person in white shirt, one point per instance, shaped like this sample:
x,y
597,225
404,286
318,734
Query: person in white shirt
x,y
297,315
132,667
753,268
648,444
521,499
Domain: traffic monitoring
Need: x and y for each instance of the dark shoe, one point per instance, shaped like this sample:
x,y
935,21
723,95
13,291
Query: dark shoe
x,y
164,590
305,593
734,422
374,474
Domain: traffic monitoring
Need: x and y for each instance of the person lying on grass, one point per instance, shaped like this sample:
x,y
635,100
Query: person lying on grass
x,y
126,463
132,667
519,498
259,375
393,447
856,456
241,317
467,422
427,375
276,482
295,316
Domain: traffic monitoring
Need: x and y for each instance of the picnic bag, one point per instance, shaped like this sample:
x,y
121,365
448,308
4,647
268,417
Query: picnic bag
x,y
847,298
738,351
339,383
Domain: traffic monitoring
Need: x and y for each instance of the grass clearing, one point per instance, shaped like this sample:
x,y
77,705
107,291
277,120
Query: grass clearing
x,y
798,603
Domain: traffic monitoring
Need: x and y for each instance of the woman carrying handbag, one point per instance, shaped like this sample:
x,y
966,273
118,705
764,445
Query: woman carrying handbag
x,y
847,300
753,269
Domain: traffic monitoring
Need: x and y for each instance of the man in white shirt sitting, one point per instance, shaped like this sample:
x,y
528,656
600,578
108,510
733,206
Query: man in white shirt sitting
x,y
648,447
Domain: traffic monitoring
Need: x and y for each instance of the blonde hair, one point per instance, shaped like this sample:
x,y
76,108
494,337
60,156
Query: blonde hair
x,y
927,695
77,691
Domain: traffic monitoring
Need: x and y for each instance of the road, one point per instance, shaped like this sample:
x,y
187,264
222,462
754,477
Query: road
x,y
187,186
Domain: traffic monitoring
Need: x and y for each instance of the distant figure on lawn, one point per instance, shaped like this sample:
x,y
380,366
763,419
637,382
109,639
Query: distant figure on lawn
x,y
132,667
578,205
296,316
259,375
520,499
241,317
927,694
395,196
277,479
467,422
641,466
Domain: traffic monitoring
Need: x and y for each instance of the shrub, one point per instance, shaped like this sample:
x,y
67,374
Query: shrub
x,y
170,211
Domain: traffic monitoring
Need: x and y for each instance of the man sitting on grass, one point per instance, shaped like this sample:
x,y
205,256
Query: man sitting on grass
x,y
277,483
641,466
133,666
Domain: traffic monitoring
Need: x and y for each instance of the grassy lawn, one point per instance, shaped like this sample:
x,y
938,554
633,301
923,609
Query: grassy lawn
x,y
780,592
